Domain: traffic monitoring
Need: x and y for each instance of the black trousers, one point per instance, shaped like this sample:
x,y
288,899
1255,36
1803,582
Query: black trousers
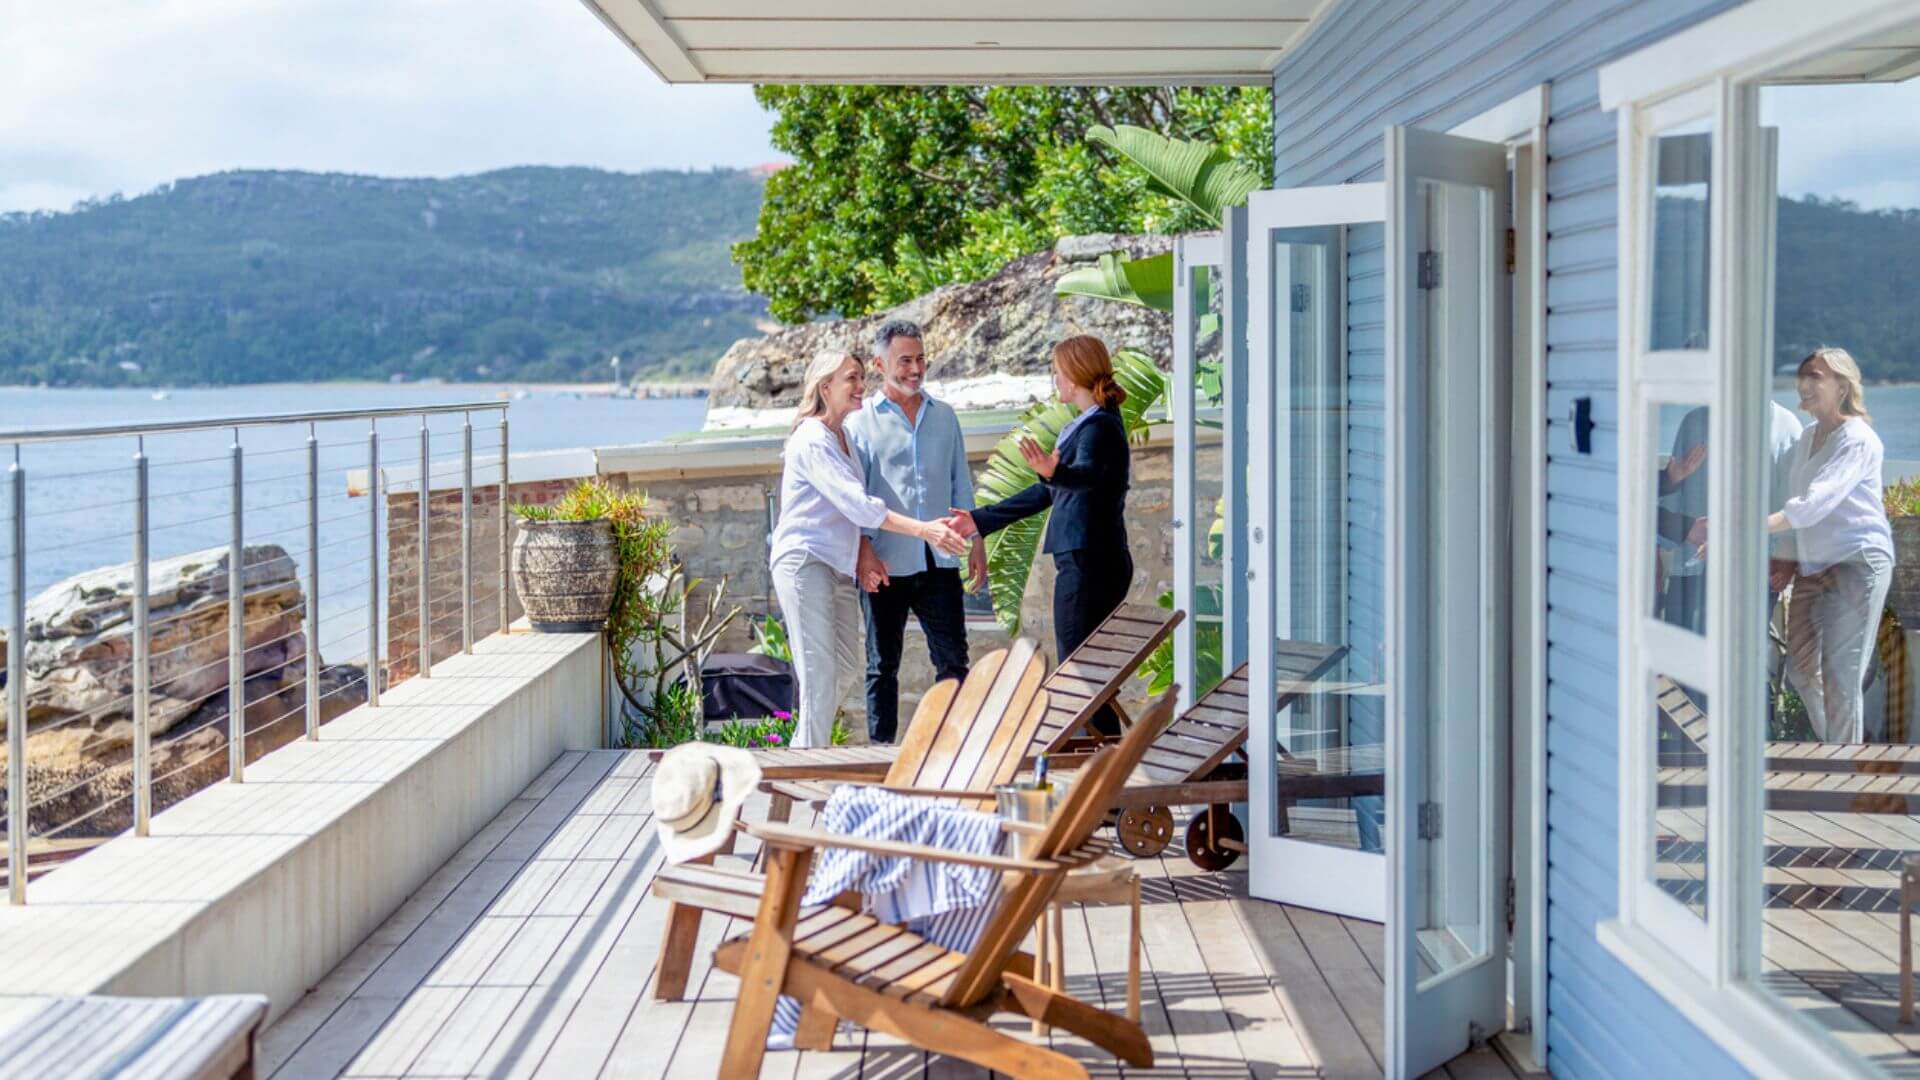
x,y
935,596
1088,585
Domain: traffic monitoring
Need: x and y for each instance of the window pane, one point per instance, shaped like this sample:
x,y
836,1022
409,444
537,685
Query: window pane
x,y
1835,174
1682,172
1680,517
1680,786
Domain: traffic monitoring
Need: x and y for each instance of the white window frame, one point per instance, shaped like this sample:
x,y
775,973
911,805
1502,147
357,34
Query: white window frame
x,y
1711,973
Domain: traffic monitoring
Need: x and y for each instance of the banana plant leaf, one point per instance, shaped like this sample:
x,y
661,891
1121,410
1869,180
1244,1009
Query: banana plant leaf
x,y
1198,173
1011,552
1146,282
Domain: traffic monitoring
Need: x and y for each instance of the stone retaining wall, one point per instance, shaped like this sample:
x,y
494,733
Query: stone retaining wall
x,y
716,494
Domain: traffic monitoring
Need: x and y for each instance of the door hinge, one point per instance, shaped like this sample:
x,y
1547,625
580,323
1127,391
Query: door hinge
x,y
1429,821
1429,270
1512,242
1510,905
1302,297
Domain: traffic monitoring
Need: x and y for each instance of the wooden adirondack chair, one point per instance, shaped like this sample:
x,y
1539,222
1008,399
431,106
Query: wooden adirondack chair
x,y
1091,676
841,964
967,736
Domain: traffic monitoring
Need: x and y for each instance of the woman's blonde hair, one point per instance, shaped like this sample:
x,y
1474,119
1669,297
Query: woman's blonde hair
x,y
1084,361
822,367
1853,395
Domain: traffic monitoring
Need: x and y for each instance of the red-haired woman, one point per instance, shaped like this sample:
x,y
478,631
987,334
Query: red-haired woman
x,y
1084,480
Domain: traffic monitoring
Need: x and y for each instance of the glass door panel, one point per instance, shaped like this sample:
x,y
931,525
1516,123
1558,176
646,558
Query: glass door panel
x,y
1317,539
1200,488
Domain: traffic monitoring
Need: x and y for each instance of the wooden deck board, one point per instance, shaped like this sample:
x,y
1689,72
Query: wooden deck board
x,y
532,954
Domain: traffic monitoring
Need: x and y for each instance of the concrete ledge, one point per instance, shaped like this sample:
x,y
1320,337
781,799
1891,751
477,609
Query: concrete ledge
x,y
265,886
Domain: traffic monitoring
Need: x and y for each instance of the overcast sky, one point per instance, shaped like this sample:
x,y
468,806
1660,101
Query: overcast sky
x,y
1859,142
98,96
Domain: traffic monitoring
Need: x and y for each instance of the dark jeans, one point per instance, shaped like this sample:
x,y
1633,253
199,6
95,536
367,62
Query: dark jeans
x,y
936,597
1088,585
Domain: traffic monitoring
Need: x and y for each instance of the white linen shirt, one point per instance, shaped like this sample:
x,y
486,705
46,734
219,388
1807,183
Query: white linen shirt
x,y
1835,508
823,500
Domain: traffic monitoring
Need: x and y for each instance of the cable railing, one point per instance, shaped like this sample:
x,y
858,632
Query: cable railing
x,y
321,571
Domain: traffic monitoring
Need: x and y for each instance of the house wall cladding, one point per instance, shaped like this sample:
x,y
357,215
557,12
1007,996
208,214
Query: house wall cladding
x,y
1434,64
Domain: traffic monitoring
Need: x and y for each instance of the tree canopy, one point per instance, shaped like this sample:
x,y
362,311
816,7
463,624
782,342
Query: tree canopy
x,y
897,190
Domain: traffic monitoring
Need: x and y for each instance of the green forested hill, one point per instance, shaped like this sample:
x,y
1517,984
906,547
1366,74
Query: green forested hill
x,y
521,274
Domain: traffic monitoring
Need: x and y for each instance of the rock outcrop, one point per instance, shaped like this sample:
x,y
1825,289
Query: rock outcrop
x,y
79,666
1004,324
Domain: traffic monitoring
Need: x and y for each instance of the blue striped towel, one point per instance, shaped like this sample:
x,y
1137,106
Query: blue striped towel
x,y
946,903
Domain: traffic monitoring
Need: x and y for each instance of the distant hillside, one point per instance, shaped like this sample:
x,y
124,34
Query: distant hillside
x,y
1846,277
521,274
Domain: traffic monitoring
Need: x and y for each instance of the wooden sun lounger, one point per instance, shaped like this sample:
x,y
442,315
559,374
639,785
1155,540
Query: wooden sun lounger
x,y
967,736
1857,778
1192,763
841,964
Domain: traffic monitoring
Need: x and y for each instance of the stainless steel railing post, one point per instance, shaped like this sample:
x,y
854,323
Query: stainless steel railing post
x,y
373,561
17,830
237,623
313,582
506,606
426,595
466,535
142,650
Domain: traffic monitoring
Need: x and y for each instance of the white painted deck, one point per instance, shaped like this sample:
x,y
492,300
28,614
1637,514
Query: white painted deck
x,y
532,953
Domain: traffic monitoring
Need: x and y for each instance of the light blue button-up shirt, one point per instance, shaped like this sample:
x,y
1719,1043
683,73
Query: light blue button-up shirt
x,y
917,468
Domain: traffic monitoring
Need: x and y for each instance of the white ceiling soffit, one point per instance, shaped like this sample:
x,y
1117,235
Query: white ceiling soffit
x,y
1088,42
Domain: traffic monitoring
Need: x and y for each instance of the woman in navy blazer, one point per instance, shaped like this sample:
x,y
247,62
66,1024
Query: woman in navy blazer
x,y
1085,481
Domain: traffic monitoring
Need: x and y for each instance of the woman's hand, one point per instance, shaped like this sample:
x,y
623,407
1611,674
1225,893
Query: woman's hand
x,y
1039,461
1780,574
943,538
961,521
1682,466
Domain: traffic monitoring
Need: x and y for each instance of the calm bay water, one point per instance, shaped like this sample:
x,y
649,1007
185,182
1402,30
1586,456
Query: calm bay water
x,y
80,494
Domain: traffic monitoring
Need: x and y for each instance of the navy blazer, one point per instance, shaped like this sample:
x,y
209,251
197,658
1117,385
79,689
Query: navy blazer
x,y
1088,492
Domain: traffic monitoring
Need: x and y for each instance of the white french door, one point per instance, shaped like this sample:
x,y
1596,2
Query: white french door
x,y
1448,573
1316,550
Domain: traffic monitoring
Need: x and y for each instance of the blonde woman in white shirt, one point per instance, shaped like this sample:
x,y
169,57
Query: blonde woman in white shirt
x,y
823,506
1844,546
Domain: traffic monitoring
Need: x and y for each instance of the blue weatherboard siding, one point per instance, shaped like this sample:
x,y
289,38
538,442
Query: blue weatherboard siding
x,y
1435,63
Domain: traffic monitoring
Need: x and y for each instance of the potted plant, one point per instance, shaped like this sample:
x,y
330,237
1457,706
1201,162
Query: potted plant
x,y
1902,501
566,560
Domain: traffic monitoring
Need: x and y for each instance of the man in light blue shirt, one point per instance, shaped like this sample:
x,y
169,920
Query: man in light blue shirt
x,y
915,459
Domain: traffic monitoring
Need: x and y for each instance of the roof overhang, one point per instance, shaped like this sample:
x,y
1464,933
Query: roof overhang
x,y
1067,42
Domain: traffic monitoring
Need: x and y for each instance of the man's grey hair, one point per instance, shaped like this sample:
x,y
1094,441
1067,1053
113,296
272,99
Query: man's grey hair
x,y
894,328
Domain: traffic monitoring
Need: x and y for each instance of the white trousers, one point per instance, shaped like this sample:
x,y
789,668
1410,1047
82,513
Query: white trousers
x,y
1833,624
822,611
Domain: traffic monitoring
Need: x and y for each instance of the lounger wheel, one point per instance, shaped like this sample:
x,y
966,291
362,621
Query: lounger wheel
x,y
1145,832
1210,852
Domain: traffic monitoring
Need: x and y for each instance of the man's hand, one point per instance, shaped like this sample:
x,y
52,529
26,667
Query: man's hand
x,y
868,570
1697,536
977,565
1780,574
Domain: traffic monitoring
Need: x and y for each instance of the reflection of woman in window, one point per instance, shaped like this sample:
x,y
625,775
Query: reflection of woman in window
x,y
1845,546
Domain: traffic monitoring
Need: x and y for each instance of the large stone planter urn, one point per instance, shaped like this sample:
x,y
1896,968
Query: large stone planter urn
x,y
1903,595
564,572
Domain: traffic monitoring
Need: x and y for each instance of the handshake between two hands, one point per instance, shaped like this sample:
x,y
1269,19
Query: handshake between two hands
x,y
954,534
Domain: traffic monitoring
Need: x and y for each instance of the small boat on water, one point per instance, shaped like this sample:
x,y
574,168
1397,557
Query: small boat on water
x,y
162,395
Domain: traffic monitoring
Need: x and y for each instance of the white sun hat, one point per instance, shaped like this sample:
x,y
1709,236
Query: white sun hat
x,y
698,789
